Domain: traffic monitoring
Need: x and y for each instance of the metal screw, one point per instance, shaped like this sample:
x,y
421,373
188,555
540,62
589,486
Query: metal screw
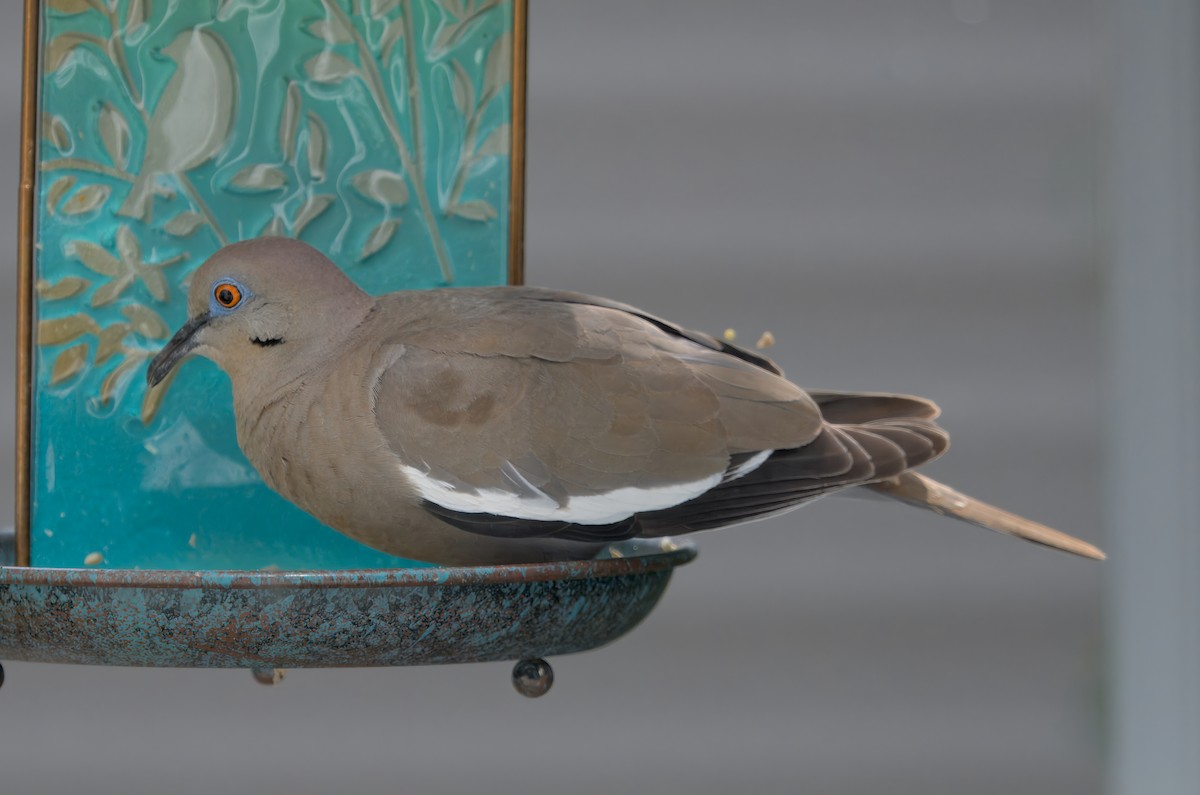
x,y
532,678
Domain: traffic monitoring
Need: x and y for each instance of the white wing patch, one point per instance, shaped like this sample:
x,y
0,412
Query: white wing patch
x,y
746,467
532,503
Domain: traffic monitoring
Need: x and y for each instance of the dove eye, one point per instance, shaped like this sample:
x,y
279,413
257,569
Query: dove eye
x,y
227,294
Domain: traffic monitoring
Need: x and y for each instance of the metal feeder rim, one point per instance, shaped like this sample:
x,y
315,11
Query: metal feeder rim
x,y
638,563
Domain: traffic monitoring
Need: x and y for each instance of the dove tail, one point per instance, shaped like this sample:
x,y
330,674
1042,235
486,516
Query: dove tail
x,y
927,493
137,203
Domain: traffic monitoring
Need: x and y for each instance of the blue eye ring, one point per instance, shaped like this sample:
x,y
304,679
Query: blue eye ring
x,y
226,296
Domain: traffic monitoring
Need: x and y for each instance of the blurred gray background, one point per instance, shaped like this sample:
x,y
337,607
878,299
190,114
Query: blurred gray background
x,y
903,192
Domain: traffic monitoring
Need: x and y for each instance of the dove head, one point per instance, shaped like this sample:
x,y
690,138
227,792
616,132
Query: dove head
x,y
262,305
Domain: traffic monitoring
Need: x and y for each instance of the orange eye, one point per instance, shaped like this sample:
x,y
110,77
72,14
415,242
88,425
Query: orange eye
x,y
227,294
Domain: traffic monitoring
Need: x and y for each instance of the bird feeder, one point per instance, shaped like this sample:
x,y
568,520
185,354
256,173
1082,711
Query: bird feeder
x,y
387,133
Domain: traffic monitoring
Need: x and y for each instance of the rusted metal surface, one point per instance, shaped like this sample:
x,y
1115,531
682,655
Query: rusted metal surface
x,y
265,620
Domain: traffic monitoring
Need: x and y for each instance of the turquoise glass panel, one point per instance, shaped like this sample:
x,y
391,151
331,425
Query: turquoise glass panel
x,y
379,131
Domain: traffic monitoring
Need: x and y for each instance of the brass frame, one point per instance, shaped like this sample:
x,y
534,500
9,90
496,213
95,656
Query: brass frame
x,y
25,240
25,235
516,197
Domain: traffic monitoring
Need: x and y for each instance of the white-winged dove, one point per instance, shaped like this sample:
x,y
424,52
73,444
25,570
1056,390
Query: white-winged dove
x,y
516,424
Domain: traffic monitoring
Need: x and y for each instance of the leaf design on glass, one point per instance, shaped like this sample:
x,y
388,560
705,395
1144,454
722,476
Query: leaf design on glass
x,y
397,95
95,258
65,329
312,208
111,291
68,363
184,225
59,48
333,29
136,17
329,67
57,190
71,6
154,397
497,71
146,322
380,236
108,387
128,246
450,34
393,34
318,147
381,7
496,144
463,90
155,283
54,129
384,187
258,178
109,341
124,271
68,287
114,134
289,122
477,210
445,37
274,228
86,199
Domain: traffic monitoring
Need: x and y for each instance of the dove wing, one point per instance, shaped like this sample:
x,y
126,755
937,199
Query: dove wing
x,y
520,412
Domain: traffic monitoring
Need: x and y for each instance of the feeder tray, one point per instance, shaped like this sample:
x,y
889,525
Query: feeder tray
x,y
269,621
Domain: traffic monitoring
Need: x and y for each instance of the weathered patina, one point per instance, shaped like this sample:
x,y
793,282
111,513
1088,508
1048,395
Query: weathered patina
x,y
298,619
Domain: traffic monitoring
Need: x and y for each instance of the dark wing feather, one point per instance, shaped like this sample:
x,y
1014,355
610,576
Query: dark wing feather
x,y
508,527
841,457
859,407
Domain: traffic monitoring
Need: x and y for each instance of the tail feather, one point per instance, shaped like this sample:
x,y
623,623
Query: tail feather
x,y
933,433
916,445
887,457
872,440
927,493
863,407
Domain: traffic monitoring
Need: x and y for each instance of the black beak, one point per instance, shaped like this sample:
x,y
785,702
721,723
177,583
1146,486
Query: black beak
x,y
179,346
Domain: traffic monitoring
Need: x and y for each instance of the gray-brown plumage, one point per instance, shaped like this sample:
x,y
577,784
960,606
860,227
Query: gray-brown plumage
x,y
516,424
